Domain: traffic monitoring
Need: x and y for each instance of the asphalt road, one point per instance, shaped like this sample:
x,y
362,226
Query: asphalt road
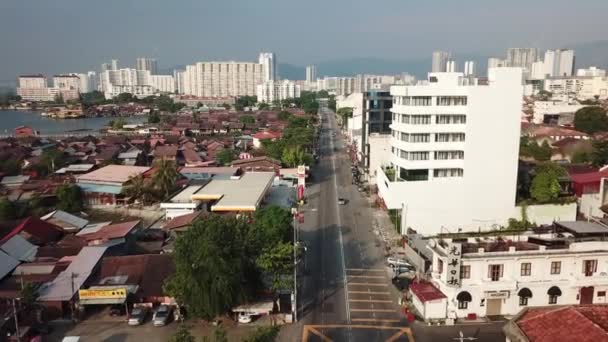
x,y
345,293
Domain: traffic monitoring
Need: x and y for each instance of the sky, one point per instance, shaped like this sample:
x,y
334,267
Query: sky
x,y
54,36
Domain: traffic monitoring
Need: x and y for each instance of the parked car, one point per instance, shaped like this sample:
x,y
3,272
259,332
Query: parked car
x,y
161,315
138,316
244,318
401,283
398,269
393,261
342,201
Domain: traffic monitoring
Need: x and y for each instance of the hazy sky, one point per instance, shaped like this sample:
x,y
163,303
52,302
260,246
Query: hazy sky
x,y
51,36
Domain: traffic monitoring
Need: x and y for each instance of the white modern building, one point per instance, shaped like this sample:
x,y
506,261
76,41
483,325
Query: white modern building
x,y
35,88
311,74
270,91
522,57
149,64
163,83
494,62
32,81
469,68
139,91
67,82
559,63
591,72
580,87
88,81
216,79
439,61
546,111
179,76
125,79
500,276
268,61
454,151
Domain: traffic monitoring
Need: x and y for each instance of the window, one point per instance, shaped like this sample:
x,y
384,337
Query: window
x,y
451,100
449,137
419,156
495,272
405,137
523,301
450,119
414,175
465,272
446,155
420,138
589,267
448,173
403,154
463,305
405,119
526,269
420,120
601,293
440,266
552,299
463,299
556,267
417,101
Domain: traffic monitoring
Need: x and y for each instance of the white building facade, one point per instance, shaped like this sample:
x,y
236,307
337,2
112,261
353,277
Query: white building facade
x,y
67,82
163,83
501,277
311,74
580,87
439,61
522,57
216,79
559,63
149,64
268,61
277,91
454,148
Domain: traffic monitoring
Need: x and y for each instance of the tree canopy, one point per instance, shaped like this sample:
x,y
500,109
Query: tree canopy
x,y
591,120
69,198
165,176
224,157
247,119
531,148
599,155
545,184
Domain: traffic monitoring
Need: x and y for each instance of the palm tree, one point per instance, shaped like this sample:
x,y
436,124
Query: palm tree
x,y
165,176
137,188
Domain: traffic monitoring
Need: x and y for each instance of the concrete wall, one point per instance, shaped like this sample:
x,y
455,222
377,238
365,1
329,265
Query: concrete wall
x,y
379,154
435,309
547,213
416,260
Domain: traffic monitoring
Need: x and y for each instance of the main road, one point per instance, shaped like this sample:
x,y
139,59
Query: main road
x,y
345,292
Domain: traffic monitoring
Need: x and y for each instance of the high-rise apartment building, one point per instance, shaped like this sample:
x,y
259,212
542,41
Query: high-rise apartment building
x,y
440,61
88,81
163,83
67,82
469,68
149,64
277,91
32,81
311,73
522,57
559,62
455,146
114,64
223,78
269,62
494,62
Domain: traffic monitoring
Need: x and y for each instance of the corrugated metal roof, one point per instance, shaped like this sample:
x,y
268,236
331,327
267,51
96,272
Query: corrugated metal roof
x,y
62,216
60,289
113,174
19,248
92,228
15,179
7,264
104,189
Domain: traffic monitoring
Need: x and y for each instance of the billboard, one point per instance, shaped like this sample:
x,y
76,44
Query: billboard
x,y
116,293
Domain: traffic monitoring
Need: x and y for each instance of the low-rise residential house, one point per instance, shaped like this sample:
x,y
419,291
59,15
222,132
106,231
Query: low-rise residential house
x,y
206,173
244,193
259,137
14,181
181,223
166,152
32,229
68,222
24,131
191,157
258,164
591,191
551,134
498,276
106,154
75,169
19,248
114,234
105,185
132,157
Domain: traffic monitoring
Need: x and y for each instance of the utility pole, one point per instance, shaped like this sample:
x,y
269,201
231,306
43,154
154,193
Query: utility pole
x,y
17,333
295,270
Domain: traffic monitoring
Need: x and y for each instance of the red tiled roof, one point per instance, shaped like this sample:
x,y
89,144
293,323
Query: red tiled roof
x,y
165,151
551,131
113,231
581,323
191,156
267,135
591,177
35,231
426,291
182,221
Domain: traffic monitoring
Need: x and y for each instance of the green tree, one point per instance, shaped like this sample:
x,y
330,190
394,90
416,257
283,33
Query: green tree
x,y
182,335
137,189
153,118
211,267
247,119
294,156
118,123
591,120
322,94
545,184
276,262
69,198
50,161
263,334
125,98
273,224
225,156
245,101
599,155
263,106
165,176
284,115
226,106
331,103
273,149
7,210
581,157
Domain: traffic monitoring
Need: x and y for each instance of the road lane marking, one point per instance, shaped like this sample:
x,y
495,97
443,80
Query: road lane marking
x,y
371,293
370,301
373,310
377,320
367,276
318,333
366,269
367,284
399,331
397,335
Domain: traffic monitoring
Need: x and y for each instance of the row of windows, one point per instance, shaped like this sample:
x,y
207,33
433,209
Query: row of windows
x,y
410,155
496,272
524,294
426,137
448,173
440,119
428,100
448,155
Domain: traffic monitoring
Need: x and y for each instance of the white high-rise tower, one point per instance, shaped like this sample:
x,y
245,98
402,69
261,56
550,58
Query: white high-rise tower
x,y
269,63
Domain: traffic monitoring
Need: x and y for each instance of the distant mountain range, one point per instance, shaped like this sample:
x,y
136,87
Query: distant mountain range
x,y
587,54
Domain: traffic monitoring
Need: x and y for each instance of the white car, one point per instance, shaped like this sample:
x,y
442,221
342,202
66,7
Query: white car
x,y
393,261
244,318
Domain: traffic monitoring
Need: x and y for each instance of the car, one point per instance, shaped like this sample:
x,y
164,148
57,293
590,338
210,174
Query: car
x,y
244,318
342,201
393,261
399,269
401,283
138,316
161,315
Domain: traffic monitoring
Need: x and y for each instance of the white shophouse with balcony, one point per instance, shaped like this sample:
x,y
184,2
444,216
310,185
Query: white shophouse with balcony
x,y
454,151
565,265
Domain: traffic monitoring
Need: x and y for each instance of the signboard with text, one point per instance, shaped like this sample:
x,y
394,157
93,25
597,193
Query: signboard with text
x,y
117,293
453,264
